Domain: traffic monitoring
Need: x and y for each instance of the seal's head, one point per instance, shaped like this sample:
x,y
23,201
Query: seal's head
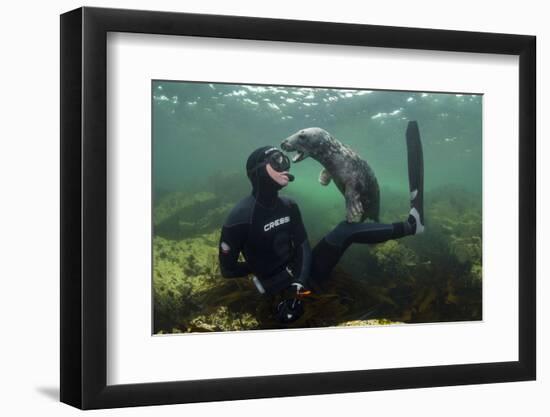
x,y
312,141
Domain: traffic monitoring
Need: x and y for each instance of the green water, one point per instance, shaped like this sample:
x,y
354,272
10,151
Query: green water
x,y
202,128
203,133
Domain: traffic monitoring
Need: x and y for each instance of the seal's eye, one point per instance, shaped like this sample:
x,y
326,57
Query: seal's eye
x,y
302,135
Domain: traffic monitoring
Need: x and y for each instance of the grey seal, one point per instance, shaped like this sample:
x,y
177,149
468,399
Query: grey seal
x,y
352,175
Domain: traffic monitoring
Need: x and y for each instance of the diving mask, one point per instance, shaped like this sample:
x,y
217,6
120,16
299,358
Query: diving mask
x,y
276,159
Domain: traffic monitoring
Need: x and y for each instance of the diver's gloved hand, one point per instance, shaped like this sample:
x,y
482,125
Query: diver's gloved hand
x,y
300,290
291,308
296,290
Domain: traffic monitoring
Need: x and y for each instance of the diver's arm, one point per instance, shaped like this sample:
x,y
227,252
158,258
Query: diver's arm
x,y
231,242
303,251
303,261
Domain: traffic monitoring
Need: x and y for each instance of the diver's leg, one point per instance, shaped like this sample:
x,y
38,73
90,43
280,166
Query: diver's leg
x,y
346,233
330,249
326,254
324,258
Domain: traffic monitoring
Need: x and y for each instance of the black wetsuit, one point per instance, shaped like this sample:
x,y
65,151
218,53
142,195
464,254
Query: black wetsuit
x,y
275,248
272,239
269,232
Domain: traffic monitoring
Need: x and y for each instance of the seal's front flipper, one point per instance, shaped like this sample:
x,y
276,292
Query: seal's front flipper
x,y
324,177
354,208
416,175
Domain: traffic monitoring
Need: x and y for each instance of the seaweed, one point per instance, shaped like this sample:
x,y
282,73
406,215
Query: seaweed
x,y
434,277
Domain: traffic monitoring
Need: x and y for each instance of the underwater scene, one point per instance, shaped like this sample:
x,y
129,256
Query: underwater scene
x,y
202,136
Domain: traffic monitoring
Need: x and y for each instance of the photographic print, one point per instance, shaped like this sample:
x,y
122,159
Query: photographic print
x,y
267,200
278,207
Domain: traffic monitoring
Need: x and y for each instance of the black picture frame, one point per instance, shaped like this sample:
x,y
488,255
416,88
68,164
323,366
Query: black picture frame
x,y
84,207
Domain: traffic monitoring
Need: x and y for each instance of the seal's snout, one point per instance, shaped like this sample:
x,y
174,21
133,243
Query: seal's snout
x,y
295,143
285,146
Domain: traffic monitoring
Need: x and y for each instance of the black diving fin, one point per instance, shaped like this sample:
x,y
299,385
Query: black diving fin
x,y
415,158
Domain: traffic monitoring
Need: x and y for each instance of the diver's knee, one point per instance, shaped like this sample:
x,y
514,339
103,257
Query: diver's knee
x,y
339,234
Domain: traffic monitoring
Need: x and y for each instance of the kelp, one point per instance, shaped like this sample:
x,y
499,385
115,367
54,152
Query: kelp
x,y
433,277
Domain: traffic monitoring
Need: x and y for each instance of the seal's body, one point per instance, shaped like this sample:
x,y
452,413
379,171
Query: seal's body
x,y
352,175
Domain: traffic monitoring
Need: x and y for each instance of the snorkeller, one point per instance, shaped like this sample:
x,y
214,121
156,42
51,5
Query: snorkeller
x,y
267,229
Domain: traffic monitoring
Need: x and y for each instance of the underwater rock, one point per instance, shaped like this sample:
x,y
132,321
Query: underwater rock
x,y
171,203
179,215
222,319
465,248
181,270
394,258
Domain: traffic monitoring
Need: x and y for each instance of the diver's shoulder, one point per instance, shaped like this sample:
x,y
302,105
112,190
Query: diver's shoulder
x,y
287,201
241,212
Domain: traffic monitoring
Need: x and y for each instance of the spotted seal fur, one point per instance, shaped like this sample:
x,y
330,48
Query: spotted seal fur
x,y
352,175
